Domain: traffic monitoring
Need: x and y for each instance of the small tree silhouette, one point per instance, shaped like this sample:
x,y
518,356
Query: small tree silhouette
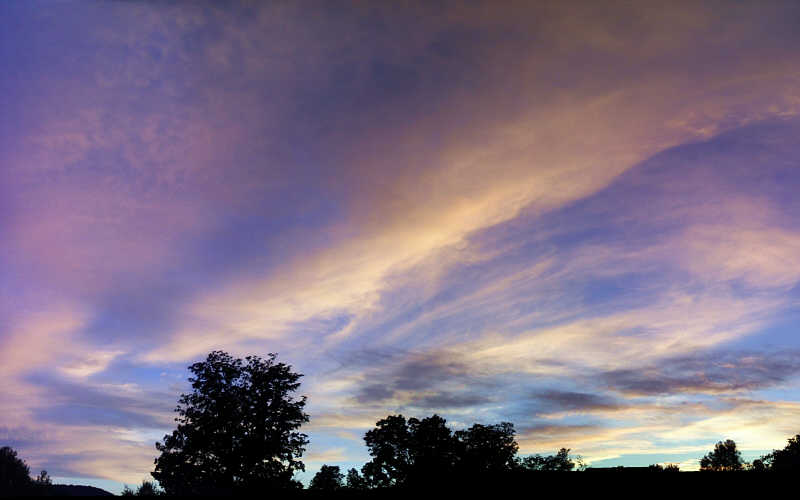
x,y
355,481
560,462
329,478
146,489
43,479
725,457
664,468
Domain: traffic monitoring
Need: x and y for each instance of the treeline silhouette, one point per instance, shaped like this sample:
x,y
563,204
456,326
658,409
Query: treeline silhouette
x,y
238,432
16,480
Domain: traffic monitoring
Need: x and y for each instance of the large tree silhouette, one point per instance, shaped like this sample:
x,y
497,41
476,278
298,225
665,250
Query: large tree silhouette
x,y
785,460
237,430
434,450
14,472
724,457
389,443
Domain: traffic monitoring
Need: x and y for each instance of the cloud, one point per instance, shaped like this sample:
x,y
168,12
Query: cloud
x,y
710,372
114,405
535,158
88,451
326,456
414,373
569,401
444,400
34,340
497,210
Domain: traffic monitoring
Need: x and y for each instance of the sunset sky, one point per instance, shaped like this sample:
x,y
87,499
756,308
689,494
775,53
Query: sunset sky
x,y
581,217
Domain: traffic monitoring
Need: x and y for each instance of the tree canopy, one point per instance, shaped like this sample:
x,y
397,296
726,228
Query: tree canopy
x,y
389,444
724,457
417,452
15,475
784,460
560,462
355,481
146,489
487,449
329,478
237,429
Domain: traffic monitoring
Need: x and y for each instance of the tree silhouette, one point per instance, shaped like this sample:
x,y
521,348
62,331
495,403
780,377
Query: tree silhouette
x,y
146,489
664,468
14,472
329,478
725,457
415,453
433,450
355,481
389,445
787,459
237,429
43,479
487,449
560,462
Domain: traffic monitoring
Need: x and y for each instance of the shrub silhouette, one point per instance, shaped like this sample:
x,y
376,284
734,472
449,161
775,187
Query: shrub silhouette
x,y
237,430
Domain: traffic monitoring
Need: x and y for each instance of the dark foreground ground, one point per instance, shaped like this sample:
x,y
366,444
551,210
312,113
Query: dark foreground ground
x,y
566,484
59,490
580,486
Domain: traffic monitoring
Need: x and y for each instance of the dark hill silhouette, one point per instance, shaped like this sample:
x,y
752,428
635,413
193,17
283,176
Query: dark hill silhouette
x,y
76,490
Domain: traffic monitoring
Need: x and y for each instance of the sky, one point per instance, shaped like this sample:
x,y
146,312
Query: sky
x,y
580,217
